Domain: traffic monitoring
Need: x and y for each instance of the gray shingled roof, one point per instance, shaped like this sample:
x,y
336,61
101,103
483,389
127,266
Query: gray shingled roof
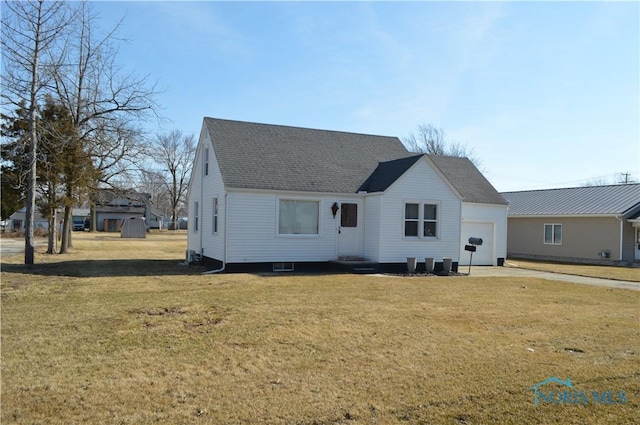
x,y
276,157
264,156
468,180
591,200
388,172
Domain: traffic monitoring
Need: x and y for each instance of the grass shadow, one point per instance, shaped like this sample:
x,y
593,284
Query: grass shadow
x,y
104,268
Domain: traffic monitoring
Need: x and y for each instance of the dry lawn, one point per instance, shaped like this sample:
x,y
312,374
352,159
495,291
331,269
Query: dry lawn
x,y
131,337
631,274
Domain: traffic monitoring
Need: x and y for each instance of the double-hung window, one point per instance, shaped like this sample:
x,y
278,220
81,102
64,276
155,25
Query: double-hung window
x,y
420,220
195,216
206,161
298,217
553,234
215,216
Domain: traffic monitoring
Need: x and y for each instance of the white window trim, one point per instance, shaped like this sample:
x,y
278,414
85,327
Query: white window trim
x,y
292,235
206,161
421,219
196,217
544,234
215,213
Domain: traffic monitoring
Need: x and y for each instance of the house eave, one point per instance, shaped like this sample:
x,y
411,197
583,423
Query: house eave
x,y
294,192
563,215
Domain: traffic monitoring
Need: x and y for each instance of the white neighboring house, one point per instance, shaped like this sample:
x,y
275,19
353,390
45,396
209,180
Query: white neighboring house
x,y
269,197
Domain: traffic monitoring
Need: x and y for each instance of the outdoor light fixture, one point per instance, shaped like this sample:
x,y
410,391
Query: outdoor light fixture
x,y
334,209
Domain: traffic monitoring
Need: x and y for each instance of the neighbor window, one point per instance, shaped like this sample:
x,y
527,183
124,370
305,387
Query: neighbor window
x,y
298,217
215,215
420,220
195,216
206,161
553,234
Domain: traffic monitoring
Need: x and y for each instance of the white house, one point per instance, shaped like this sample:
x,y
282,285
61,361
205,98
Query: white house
x,y
271,197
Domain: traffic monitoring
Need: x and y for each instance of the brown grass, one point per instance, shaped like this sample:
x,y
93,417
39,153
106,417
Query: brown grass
x,y
631,274
163,344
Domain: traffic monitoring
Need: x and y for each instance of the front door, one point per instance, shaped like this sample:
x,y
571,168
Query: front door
x,y
350,229
637,244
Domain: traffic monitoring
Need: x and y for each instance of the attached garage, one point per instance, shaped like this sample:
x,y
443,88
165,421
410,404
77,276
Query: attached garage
x,y
483,214
484,254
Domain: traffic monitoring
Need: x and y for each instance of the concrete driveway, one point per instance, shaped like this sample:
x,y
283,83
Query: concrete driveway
x,y
10,246
486,271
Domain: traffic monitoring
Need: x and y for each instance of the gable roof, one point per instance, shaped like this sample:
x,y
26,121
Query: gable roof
x,y
468,180
386,173
590,200
276,157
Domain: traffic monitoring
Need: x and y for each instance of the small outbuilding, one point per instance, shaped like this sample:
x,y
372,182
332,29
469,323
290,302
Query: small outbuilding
x,y
133,227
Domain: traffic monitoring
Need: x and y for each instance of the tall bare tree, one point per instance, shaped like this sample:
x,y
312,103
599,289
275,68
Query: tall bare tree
x,y
30,30
174,152
432,140
105,101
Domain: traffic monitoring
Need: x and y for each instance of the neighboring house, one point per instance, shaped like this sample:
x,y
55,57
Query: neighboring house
x,y
112,207
157,220
17,220
582,224
266,197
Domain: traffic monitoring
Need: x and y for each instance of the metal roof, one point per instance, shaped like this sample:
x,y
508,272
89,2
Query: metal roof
x,y
621,200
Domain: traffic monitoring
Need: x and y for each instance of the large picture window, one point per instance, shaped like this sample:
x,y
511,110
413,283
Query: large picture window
x,y
298,217
420,220
553,234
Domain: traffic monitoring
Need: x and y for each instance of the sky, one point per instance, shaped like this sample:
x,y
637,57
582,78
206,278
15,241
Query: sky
x,y
546,94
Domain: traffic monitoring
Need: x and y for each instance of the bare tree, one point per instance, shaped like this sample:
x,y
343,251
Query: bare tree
x,y
155,184
30,29
174,152
106,103
433,141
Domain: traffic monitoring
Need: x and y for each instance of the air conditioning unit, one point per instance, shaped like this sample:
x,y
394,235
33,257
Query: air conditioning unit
x,y
190,255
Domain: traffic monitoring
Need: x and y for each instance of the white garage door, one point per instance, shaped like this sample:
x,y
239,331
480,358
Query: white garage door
x,y
484,253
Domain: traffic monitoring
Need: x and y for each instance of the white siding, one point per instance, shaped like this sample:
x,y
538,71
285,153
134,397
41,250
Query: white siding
x,y
422,184
253,226
372,205
477,217
203,189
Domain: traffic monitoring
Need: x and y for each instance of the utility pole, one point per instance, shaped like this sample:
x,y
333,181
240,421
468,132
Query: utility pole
x,y
626,178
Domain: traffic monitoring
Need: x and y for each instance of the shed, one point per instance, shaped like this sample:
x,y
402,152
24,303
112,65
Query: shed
x,y
133,227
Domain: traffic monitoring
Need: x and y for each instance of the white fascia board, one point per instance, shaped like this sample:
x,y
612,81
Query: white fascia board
x,y
294,192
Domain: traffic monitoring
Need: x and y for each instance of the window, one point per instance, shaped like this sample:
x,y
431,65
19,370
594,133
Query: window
x,y
206,161
411,219
349,215
215,215
553,234
420,220
298,217
429,221
195,216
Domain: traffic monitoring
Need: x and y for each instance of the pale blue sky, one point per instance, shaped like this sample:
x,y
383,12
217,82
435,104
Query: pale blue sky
x,y
546,93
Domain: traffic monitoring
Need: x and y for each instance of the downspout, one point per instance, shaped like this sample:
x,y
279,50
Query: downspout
x,y
619,217
224,253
